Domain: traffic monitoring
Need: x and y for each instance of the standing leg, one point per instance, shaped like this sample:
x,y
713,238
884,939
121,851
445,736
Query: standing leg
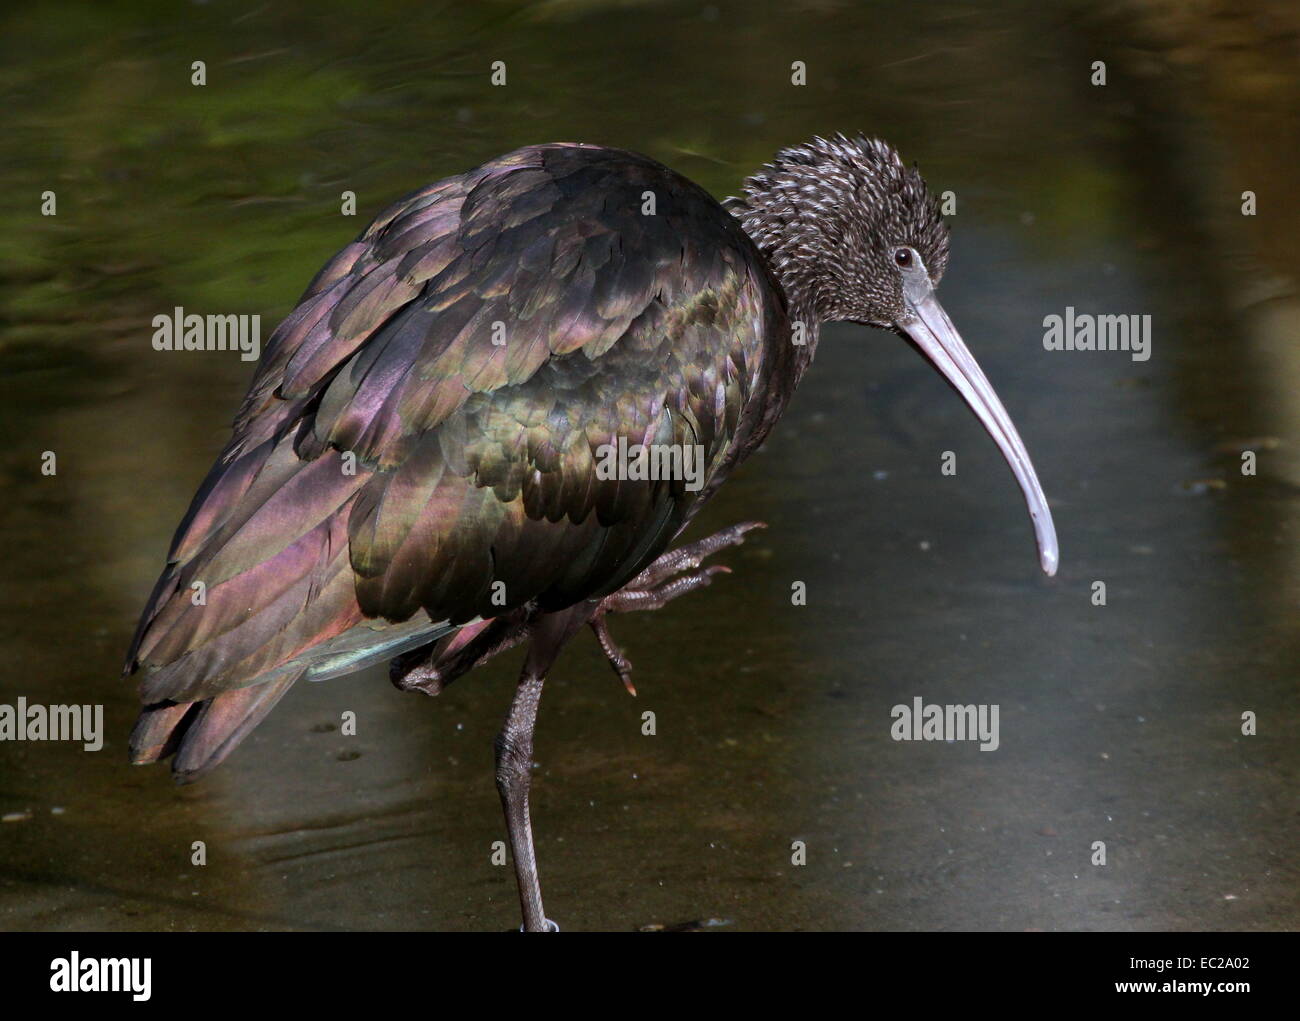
x,y
514,747
514,754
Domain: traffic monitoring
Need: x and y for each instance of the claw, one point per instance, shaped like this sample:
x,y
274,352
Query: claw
x,y
659,584
622,666
690,556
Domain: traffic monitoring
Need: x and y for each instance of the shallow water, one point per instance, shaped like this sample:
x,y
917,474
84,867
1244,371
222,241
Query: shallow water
x,y
1119,723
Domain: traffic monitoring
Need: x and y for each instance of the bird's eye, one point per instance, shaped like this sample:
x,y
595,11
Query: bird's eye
x,y
903,256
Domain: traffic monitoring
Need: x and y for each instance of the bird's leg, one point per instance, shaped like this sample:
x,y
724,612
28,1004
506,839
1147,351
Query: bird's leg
x,y
684,558
626,600
514,757
612,652
431,668
659,584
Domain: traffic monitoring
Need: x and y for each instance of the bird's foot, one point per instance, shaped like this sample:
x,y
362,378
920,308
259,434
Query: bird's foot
x,y
431,668
621,664
672,575
416,671
550,927
636,594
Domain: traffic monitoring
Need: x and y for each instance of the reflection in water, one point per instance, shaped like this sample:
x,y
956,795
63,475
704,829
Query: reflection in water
x,y
1119,723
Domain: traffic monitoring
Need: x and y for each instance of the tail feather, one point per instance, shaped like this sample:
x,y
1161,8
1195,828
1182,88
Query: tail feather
x,y
202,734
159,730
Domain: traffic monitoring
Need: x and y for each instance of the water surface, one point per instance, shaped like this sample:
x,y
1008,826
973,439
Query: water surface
x,y
1119,724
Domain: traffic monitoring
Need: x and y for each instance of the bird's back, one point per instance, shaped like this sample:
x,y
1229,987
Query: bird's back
x,y
421,445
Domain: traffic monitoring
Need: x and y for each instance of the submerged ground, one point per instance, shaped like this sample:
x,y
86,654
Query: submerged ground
x,y
1120,723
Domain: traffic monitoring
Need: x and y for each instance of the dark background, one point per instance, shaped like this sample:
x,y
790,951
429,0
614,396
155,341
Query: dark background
x,y
1119,723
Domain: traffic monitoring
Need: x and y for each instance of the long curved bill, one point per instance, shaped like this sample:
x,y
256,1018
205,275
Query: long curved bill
x,y
930,329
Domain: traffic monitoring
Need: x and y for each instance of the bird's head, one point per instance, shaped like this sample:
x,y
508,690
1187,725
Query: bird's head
x,y
844,224
853,234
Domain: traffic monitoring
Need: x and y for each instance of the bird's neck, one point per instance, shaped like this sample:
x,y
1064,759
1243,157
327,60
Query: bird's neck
x,y
805,330
789,259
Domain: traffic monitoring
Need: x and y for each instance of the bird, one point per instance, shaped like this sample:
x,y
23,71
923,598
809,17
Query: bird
x,y
421,470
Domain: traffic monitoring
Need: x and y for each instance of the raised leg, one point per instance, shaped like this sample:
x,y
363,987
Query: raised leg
x,y
689,557
612,652
431,668
628,599
659,584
